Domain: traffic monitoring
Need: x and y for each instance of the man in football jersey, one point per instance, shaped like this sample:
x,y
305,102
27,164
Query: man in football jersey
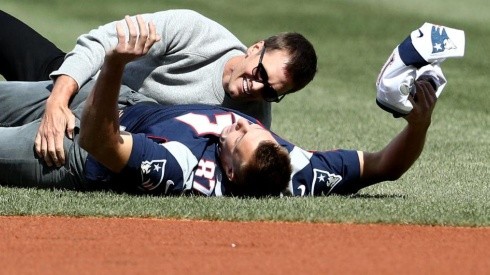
x,y
209,150
197,61
190,156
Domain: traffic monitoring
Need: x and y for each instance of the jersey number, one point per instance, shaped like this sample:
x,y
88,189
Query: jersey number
x,y
202,125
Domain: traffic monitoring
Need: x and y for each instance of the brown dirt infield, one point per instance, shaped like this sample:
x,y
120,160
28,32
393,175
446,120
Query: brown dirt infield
x,y
63,245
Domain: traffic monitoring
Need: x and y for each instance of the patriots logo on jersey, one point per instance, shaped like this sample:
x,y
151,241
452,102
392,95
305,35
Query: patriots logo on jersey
x,y
324,182
152,173
440,40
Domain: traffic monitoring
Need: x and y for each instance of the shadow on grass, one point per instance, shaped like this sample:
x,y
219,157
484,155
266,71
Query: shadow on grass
x,y
378,196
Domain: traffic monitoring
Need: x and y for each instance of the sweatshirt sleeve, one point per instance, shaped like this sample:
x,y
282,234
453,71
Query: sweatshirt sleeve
x,y
87,57
180,30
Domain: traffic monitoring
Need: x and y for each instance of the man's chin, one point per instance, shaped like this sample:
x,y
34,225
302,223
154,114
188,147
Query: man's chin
x,y
234,95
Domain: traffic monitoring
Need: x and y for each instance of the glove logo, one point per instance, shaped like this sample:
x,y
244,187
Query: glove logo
x,y
440,40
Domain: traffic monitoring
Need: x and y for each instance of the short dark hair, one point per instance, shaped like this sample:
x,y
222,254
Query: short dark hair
x,y
267,173
302,65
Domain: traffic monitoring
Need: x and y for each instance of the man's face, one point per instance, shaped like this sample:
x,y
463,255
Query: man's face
x,y
246,82
239,141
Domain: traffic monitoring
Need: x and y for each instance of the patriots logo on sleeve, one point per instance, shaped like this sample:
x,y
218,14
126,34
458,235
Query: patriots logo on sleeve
x,y
152,173
324,181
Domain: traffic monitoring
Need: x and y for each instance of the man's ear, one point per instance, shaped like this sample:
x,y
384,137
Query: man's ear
x,y
255,48
229,172
227,164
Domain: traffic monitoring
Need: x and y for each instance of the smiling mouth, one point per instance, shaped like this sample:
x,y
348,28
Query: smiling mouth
x,y
246,88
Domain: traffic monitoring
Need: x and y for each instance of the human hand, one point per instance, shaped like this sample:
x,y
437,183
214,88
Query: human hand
x,y
140,39
49,139
423,101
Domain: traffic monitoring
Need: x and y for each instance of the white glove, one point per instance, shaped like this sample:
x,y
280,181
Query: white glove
x,y
419,56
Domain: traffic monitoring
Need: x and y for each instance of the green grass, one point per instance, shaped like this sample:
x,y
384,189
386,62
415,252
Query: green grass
x,y
448,185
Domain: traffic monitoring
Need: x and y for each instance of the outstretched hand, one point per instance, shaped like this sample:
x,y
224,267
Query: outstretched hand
x,y
399,155
423,101
139,41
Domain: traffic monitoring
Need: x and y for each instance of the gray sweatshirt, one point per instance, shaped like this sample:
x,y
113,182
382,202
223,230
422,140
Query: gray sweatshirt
x,y
185,67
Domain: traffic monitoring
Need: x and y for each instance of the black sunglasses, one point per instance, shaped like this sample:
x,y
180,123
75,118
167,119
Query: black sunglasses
x,y
268,93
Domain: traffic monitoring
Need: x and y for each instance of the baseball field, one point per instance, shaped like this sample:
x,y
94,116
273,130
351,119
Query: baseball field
x,y
434,220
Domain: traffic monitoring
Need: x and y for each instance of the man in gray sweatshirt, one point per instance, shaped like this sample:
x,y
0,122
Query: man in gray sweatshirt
x,y
196,61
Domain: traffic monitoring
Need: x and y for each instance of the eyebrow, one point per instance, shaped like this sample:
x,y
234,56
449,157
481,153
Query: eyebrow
x,y
237,141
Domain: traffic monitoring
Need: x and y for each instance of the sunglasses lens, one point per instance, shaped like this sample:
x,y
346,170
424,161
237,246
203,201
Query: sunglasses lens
x,y
269,94
260,73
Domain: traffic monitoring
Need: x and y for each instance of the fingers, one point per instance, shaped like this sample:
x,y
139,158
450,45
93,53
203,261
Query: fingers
x,y
425,93
133,32
70,126
121,35
153,32
50,136
143,28
41,145
50,148
142,35
423,102
153,36
57,152
38,146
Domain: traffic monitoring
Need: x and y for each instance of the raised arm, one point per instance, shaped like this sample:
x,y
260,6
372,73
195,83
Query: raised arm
x,y
83,62
99,131
401,153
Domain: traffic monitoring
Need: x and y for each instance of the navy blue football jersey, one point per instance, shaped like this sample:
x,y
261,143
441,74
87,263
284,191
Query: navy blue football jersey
x,y
175,152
